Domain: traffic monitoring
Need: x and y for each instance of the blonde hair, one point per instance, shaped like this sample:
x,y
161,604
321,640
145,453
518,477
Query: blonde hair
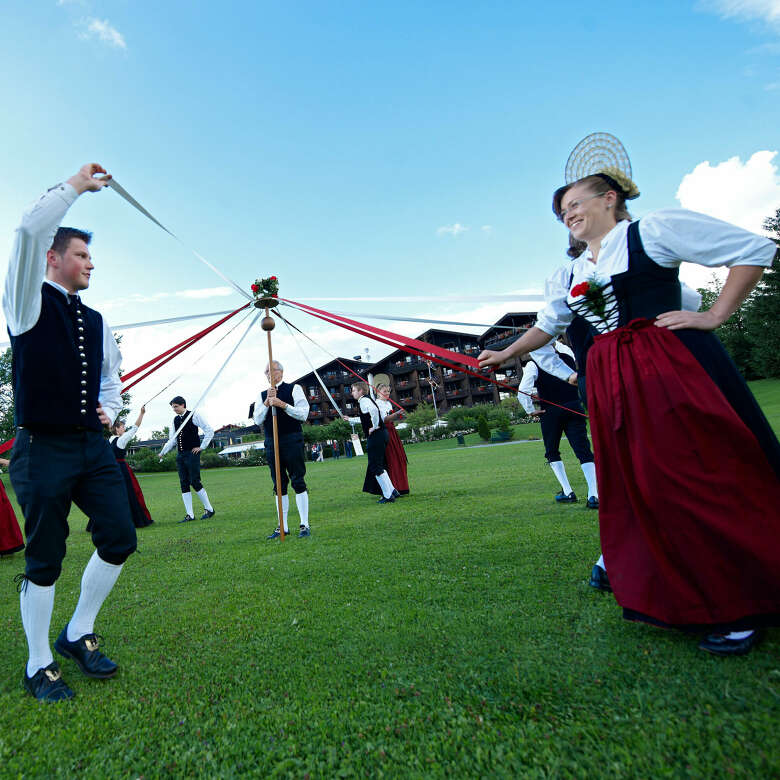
x,y
363,386
382,385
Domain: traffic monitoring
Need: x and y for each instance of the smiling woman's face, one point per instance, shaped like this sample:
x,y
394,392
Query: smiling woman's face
x,y
587,214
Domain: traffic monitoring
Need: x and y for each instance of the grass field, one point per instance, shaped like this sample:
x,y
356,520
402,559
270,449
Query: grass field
x,y
449,634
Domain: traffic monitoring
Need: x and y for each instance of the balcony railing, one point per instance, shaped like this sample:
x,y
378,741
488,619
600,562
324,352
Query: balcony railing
x,y
315,415
405,383
481,389
456,394
406,401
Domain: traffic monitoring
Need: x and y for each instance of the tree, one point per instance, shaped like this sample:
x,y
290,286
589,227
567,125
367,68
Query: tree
x,y
165,433
483,429
338,429
763,314
734,331
7,427
423,416
125,410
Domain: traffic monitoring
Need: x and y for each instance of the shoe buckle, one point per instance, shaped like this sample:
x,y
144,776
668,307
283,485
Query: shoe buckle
x,y
53,674
91,643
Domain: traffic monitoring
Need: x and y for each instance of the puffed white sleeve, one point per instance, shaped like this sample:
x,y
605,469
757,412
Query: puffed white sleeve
x,y
555,316
110,395
27,262
672,236
125,439
691,299
549,360
299,410
526,387
260,409
208,432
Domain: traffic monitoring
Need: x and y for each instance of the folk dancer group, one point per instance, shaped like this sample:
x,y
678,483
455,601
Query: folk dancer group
x,y
682,448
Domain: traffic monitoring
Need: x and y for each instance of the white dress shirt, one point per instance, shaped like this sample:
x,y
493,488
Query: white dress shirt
x,y
125,438
368,406
385,407
26,272
199,421
298,410
670,237
547,359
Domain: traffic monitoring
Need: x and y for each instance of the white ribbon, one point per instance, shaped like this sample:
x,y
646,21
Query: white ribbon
x,y
172,439
122,192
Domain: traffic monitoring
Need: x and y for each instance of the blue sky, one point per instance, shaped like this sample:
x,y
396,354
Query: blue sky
x,y
337,144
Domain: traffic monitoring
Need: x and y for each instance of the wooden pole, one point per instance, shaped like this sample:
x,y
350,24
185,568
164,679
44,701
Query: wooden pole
x,y
268,325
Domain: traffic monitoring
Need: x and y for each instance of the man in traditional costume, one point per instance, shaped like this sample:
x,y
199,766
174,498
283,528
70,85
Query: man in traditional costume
x,y
292,410
563,415
64,354
188,449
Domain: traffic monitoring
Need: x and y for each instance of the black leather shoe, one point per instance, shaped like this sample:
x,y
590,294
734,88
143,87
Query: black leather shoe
x,y
384,500
187,519
84,651
207,514
592,503
718,644
562,498
47,684
276,534
599,579
396,494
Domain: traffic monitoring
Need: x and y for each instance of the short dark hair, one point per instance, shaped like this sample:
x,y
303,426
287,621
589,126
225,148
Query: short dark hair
x,y
178,400
63,236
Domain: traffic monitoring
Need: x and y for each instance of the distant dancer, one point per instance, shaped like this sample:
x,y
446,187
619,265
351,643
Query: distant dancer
x,y
189,447
10,535
395,456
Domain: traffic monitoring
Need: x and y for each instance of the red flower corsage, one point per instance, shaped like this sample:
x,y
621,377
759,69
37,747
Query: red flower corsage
x,y
579,289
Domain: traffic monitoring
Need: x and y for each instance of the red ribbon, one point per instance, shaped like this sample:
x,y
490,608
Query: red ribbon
x,y
404,343
176,349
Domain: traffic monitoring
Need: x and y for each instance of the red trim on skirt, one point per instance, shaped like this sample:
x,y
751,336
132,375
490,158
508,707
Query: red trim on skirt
x,y
689,517
395,459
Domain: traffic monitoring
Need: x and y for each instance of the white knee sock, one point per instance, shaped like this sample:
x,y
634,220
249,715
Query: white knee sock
x,y
560,472
302,502
37,602
285,510
600,563
384,482
589,470
96,583
203,496
187,499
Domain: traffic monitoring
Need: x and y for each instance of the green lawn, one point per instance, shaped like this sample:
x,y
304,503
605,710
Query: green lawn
x,y
449,634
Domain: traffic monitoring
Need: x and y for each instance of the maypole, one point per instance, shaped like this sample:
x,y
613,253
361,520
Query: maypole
x,y
266,297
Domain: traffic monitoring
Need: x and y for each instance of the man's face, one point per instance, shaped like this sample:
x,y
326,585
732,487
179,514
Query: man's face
x,y
277,375
178,408
356,393
73,267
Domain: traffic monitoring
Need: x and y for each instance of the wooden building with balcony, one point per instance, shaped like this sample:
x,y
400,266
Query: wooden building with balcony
x,y
500,336
339,383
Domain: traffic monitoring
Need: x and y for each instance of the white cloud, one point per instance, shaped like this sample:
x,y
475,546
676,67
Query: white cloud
x,y
487,229
453,230
742,193
775,85
200,293
104,31
750,10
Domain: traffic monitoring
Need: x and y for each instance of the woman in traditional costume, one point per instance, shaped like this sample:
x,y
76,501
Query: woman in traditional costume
x,y
10,536
395,457
688,467
121,437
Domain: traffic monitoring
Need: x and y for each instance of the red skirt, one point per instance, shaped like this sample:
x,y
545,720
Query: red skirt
x,y
395,458
138,510
688,513
10,536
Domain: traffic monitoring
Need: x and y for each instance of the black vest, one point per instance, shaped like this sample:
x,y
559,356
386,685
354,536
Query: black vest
x,y
56,366
551,388
365,417
285,424
119,452
187,437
